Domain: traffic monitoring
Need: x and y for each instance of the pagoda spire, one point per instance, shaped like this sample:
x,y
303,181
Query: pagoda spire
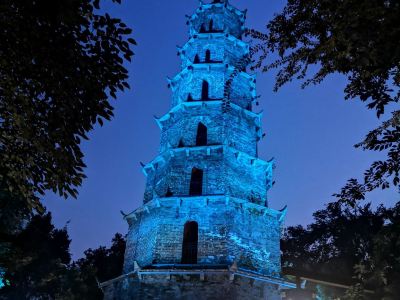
x,y
205,205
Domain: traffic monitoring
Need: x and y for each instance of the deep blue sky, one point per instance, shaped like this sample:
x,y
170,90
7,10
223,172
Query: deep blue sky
x,y
310,132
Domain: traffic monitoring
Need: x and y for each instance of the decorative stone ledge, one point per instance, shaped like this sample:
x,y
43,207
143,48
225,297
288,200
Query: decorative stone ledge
x,y
230,272
205,200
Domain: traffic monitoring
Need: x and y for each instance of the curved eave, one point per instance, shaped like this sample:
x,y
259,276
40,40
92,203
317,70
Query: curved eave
x,y
208,150
208,36
187,105
208,67
226,8
203,201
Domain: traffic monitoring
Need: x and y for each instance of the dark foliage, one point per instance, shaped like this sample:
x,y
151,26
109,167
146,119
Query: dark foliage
x,y
106,263
60,62
349,245
39,264
356,38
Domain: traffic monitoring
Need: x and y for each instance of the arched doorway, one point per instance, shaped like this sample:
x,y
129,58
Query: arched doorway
x,y
204,90
190,241
196,182
201,137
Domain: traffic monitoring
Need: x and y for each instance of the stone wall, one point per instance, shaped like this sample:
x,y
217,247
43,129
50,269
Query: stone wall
x,y
190,287
225,18
225,171
190,81
228,232
223,48
234,129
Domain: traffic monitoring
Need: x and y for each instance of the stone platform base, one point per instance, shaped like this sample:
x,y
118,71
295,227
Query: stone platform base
x,y
193,284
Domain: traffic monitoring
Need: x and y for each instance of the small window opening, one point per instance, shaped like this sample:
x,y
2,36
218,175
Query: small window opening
x,y
190,243
203,28
190,98
196,182
181,144
169,192
204,90
201,137
208,56
196,59
211,25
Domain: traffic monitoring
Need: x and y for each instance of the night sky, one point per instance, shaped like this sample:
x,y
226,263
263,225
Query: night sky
x,y
310,132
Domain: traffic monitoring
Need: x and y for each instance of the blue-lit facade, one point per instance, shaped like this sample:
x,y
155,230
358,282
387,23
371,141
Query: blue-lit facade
x,y
205,202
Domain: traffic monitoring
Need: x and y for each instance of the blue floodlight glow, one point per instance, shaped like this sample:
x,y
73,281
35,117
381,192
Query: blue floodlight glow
x,y
207,173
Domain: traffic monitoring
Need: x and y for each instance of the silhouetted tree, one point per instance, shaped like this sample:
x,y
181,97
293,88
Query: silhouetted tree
x,y
60,63
39,265
357,38
350,245
106,262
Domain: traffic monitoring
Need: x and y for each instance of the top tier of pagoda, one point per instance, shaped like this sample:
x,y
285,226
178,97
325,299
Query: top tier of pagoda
x,y
217,17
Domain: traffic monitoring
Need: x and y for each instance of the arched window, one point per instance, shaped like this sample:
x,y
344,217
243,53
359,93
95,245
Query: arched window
x,y
196,59
208,56
203,28
181,144
196,182
201,137
190,98
190,241
204,90
211,26
169,192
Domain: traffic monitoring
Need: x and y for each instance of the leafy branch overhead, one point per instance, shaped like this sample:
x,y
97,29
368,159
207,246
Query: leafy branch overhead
x,y
356,38
60,62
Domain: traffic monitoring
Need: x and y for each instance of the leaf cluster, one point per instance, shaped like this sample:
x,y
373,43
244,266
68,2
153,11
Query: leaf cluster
x,y
353,37
38,264
351,245
356,38
60,62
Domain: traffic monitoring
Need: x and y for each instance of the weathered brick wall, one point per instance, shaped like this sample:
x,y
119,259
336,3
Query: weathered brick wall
x,y
235,129
225,171
190,287
224,18
258,248
227,233
176,173
227,49
190,81
185,129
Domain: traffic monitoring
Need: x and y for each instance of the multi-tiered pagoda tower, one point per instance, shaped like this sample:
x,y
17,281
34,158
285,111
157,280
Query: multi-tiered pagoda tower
x,y
205,230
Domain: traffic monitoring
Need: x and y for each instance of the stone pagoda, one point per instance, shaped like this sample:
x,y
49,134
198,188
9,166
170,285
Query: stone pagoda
x,y
205,229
